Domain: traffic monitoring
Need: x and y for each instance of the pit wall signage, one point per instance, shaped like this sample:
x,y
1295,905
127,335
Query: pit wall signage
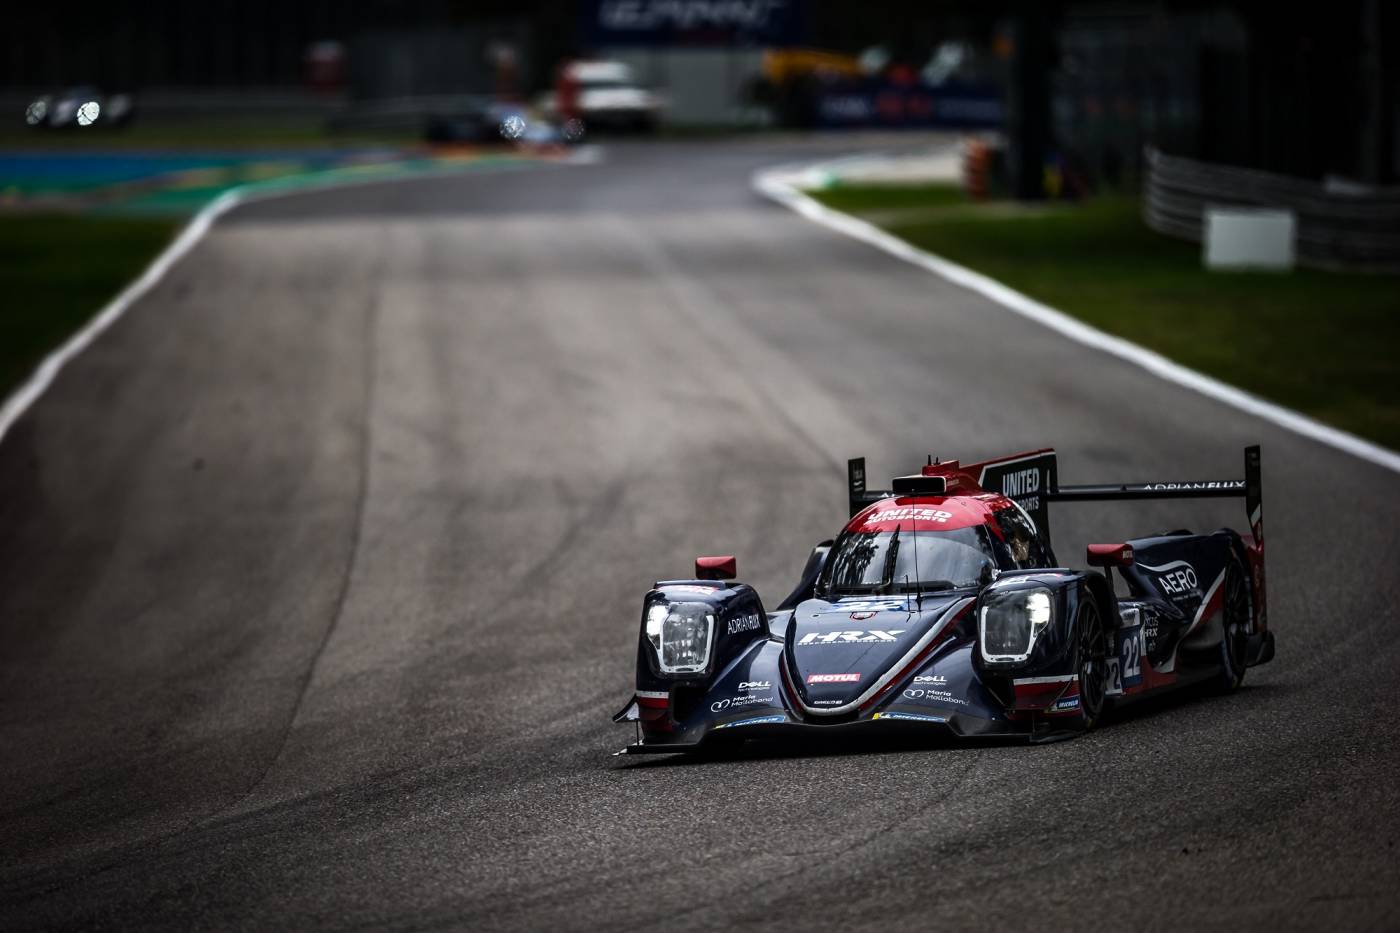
x,y
865,103
658,23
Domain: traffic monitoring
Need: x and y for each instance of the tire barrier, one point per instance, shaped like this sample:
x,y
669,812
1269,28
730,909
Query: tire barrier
x,y
1336,229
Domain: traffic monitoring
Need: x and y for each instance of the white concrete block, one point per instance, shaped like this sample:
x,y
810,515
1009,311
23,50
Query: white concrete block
x,y
1249,238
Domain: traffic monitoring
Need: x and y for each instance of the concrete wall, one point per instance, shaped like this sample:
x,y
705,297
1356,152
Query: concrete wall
x,y
705,87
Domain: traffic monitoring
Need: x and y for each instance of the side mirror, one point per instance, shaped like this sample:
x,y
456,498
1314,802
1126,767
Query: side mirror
x,y
1110,555
716,568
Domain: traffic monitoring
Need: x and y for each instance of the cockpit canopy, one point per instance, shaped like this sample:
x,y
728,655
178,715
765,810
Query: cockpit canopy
x,y
902,546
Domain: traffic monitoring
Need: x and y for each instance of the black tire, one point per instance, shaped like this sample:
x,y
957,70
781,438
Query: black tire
x,y
1236,615
1091,661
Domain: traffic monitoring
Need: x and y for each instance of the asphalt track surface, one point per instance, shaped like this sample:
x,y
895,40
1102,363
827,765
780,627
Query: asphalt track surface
x,y
320,575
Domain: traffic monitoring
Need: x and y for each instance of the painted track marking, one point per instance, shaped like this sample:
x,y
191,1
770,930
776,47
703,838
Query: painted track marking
x,y
781,185
48,369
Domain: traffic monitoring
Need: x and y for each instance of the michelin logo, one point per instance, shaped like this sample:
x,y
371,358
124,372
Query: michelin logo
x,y
756,721
910,717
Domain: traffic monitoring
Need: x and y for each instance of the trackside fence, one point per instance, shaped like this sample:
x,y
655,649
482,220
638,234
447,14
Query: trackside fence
x,y
1345,228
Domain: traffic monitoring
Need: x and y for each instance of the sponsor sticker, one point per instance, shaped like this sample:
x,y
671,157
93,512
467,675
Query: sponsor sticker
x,y
834,678
1180,582
934,696
749,622
1068,704
755,721
1227,484
1127,671
911,717
754,685
907,514
1177,580
1023,488
1020,482
930,679
854,637
719,706
869,605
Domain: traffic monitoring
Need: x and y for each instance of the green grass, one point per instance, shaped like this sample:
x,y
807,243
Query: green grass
x,y
1322,343
886,197
231,133
56,271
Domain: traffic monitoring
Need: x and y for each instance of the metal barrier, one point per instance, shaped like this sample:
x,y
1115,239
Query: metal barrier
x,y
1341,231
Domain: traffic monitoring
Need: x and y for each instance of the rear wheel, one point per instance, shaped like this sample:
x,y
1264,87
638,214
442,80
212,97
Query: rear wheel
x,y
1235,619
1091,642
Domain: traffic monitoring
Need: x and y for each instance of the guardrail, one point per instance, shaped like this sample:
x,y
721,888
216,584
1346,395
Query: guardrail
x,y
1335,230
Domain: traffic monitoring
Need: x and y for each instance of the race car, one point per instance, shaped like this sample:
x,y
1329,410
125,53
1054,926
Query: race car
x,y
941,607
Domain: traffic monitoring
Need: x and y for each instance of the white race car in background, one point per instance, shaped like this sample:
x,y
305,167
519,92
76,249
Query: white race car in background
x,y
608,97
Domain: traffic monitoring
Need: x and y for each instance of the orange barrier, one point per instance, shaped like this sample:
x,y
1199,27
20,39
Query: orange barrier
x,y
977,159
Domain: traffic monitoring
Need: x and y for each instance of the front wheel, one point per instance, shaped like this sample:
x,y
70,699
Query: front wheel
x,y
1091,652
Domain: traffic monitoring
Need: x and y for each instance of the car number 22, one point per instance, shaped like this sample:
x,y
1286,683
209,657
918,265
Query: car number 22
x,y
1125,670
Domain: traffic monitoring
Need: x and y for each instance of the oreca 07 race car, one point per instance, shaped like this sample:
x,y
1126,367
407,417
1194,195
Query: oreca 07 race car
x,y
941,606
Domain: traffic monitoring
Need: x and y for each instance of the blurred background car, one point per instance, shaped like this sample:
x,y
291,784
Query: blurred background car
x,y
603,95
79,106
474,120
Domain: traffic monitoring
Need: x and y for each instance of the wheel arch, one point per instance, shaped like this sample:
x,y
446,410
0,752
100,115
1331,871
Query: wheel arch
x,y
1100,590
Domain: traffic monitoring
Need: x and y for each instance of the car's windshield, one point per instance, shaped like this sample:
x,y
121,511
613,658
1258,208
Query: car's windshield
x,y
904,560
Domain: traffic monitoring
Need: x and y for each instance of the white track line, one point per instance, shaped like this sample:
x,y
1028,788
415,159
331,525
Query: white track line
x,y
18,403
28,393
782,185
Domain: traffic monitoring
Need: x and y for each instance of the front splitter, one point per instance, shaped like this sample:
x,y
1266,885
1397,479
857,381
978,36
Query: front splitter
x,y
904,723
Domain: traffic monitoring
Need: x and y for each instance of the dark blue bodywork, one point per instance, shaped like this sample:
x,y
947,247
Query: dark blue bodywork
x,y
893,662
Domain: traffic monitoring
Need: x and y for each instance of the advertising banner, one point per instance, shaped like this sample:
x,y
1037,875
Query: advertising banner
x,y
658,23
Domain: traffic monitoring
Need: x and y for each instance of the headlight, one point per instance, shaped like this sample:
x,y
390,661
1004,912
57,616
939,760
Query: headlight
x,y
1010,623
681,634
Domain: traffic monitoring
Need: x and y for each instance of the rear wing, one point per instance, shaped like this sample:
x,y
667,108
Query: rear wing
x,y
1251,489
1030,480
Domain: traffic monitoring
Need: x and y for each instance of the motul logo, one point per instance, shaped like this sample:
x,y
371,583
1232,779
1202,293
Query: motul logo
x,y
849,638
833,678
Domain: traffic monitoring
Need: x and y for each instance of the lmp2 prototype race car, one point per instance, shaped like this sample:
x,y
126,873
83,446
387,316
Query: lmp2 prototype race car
x,y
941,607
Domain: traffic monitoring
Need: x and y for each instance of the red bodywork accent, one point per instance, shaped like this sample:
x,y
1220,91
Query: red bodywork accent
x,y
1254,550
716,568
971,505
973,471
654,714
969,477
1211,607
1037,696
1151,679
1110,555
1069,694
930,513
